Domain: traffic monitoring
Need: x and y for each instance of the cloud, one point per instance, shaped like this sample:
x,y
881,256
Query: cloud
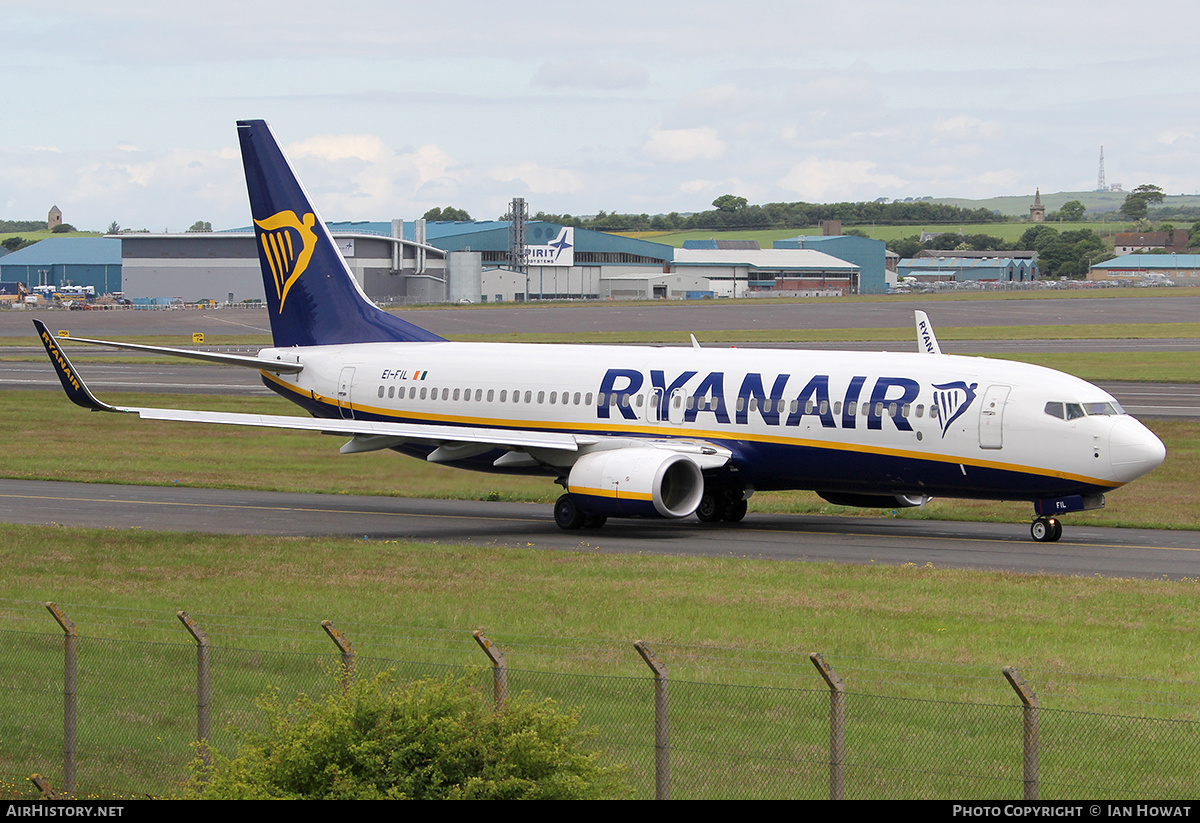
x,y
588,74
684,145
335,147
966,127
540,179
817,180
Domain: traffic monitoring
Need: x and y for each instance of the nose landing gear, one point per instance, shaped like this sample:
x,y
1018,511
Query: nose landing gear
x,y
1046,529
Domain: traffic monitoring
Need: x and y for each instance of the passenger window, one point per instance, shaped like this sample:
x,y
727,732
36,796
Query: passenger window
x,y
423,390
392,391
504,395
824,408
837,406
587,401
553,398
576,398
541,397
933,412
528,397
491,395
456,394
446,394
381,391
479,395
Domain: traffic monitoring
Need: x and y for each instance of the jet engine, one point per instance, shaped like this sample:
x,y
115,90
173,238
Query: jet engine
x,y
636,482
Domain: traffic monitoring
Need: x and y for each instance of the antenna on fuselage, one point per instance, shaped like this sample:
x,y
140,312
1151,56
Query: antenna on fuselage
x,y
926,339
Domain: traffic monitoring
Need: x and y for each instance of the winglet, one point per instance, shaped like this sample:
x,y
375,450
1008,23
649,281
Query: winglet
x,y
926,340
72,383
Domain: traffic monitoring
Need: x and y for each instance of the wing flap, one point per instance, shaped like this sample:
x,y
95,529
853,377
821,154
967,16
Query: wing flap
x,y
410,432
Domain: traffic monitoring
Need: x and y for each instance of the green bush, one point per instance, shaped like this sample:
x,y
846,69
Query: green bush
x,y
430,739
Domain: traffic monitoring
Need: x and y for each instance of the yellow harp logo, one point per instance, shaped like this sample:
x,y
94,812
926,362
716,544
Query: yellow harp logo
x,y
288,244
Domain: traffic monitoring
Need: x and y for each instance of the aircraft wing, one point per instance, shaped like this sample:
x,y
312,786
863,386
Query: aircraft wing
x,y
453,442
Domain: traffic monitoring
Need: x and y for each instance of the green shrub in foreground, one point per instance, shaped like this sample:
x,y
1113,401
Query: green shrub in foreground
x,y
430,739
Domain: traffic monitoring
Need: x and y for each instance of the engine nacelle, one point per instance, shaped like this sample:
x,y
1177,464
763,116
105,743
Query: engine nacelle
x,y
636,482
874,501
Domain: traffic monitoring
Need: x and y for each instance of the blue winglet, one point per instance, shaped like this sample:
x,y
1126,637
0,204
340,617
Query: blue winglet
x,y
76,389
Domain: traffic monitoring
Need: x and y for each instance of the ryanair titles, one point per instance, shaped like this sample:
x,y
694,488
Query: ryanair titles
x,y
835,403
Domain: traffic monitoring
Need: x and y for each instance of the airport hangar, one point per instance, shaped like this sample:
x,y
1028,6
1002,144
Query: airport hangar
x,y
410,262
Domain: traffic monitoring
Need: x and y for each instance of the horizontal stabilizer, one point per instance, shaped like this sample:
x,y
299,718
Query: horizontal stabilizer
x,y
277,366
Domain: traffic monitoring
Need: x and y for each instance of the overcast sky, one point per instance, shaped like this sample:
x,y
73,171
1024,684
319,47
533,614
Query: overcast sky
x,y
125,110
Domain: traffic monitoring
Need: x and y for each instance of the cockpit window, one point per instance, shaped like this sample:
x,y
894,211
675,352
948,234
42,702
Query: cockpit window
x,y
1073,411
1103,408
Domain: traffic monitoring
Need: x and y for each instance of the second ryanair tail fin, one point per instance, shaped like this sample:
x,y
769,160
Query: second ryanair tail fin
x,y
312,296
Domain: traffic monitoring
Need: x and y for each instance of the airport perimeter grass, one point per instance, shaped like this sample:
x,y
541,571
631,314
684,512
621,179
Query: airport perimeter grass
x,y
381,591
919,728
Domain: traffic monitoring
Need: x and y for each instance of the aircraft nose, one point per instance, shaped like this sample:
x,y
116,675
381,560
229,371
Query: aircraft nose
x,y
1133,449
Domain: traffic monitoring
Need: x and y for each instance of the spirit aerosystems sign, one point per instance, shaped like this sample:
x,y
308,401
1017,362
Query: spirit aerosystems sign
x,y
559,252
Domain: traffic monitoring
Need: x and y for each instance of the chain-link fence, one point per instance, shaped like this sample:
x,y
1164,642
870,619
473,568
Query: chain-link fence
x,y
121,716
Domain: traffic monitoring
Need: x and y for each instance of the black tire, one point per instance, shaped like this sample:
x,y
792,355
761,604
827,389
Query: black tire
x,y
1042,530
709,510
594,521
566,514
1057,532
736,511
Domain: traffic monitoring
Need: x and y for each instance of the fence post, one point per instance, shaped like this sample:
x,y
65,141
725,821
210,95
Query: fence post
x,y
203,690
345,648
499,669
70,680
1029,701
837,727
662,725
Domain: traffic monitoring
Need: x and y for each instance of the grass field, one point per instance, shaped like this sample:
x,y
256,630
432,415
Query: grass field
x,y
1008,231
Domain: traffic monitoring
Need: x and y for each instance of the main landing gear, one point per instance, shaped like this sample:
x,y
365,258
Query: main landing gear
x,y
720,505
568,515
1046,529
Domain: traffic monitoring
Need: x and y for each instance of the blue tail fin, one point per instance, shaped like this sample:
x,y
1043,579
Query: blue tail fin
x,y
312,297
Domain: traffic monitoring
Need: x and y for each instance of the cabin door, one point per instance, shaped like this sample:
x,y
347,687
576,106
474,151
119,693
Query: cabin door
x,y
991,417
343,393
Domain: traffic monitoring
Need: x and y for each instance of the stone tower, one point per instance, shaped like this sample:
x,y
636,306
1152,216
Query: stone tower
x,y
54,218
1037,212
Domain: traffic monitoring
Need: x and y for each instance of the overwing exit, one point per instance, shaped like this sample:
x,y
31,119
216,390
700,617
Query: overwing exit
x,y
655,432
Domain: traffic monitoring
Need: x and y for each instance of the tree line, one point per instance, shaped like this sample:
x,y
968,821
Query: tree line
x,y
1060,254
733,212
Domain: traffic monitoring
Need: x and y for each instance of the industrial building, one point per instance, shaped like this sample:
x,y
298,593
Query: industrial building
x,y
1181,269
62,261
409,262
997,269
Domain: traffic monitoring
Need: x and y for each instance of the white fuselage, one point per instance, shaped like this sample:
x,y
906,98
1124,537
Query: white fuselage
x,y
860,422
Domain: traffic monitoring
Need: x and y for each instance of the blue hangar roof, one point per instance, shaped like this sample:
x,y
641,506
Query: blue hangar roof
x,y
68,251
492,236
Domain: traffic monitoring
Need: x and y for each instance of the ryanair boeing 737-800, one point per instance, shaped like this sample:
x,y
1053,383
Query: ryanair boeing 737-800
x,y
656,432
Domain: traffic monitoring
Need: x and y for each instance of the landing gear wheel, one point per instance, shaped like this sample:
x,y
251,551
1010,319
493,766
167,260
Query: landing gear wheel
x,y
709,510
1046,530
736,512
568,515
594,521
